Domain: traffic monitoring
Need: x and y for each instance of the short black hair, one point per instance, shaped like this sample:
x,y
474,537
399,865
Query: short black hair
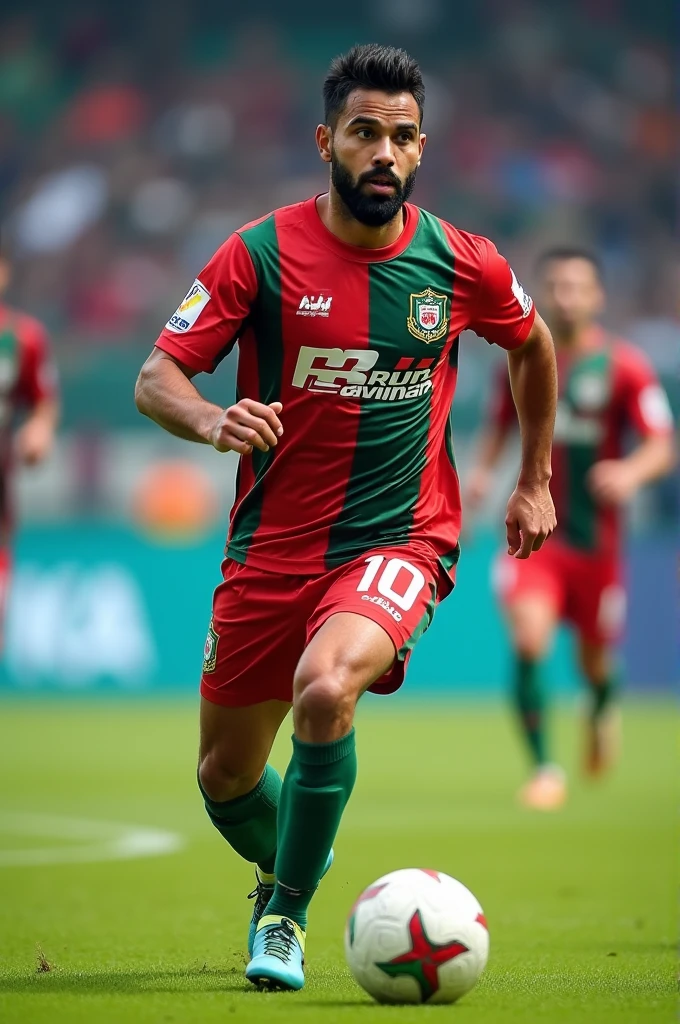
x,y
371,66
571,252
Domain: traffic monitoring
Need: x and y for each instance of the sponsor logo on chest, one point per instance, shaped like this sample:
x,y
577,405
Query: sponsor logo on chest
x,y
571,428
590,392
350,373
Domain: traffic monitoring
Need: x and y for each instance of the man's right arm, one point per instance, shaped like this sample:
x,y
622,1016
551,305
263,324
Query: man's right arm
x,y
195,339
165,393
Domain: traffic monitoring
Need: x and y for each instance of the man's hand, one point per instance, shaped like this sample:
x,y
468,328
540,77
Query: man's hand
x,y
34,441
530,519
612,482
477,487
247,425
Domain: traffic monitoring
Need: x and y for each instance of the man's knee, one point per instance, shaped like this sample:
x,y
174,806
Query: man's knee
x,y
221,780
532,631
323,705
596,663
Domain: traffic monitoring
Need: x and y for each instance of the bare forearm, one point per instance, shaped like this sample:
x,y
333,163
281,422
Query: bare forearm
x,y
533,377
490,448
166,395
652,459
46,412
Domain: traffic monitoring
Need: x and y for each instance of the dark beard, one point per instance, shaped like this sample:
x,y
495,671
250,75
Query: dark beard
x,y
372,210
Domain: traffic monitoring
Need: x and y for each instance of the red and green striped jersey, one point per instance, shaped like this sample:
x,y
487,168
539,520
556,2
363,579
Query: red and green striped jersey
x,y
27,376
361,347
605,391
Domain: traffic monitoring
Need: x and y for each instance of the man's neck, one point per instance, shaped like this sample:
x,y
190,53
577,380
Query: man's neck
x,y
337,218
576,341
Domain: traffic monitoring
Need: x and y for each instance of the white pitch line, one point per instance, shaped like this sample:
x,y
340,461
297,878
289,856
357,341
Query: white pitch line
x,y
98,840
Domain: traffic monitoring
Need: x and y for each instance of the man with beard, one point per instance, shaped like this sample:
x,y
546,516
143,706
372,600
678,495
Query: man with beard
x,y
344,533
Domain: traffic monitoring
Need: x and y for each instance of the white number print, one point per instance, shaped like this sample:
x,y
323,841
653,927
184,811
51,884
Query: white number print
x,y
388,577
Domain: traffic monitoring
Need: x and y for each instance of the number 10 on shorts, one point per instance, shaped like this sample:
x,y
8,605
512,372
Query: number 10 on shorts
x,y
393,575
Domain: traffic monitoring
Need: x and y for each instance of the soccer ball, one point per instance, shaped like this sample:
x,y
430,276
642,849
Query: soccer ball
x,y
416,936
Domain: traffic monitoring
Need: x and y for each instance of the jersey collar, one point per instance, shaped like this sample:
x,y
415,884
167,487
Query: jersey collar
x,y
357,253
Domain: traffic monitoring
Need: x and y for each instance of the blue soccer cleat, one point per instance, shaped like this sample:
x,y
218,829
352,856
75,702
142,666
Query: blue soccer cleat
x,y
278,954
262,893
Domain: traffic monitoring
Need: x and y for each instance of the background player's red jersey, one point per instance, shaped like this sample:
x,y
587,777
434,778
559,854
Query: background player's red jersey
x,y
27,376
361,347
604,392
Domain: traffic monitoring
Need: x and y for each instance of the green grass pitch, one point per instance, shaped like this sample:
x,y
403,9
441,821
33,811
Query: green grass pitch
x,y
581,904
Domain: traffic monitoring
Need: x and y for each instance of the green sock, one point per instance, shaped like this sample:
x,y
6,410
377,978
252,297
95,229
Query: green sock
x,y
529,702
316,788
602,694
248,823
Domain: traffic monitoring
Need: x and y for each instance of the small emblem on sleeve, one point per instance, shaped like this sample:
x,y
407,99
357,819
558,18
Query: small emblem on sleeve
x,y
190,309
655,409
427,318
525,301
210,649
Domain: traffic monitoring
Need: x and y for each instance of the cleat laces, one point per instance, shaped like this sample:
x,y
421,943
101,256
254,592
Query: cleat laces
x,y
262,895
279,940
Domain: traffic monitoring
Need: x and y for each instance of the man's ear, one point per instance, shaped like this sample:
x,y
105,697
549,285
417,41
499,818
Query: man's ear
x,y
324,142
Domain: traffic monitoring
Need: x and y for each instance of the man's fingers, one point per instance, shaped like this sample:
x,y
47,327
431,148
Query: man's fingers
x,y
227,442
539,541
513,535
527,545
269,413
260,426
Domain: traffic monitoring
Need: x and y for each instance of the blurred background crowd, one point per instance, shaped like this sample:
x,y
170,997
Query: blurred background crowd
x,y
135,136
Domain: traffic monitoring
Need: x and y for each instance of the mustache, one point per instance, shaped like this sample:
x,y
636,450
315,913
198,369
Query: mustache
x,y
384,174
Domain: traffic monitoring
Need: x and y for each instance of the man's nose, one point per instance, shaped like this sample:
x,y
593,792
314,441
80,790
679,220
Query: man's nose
x,y
383,155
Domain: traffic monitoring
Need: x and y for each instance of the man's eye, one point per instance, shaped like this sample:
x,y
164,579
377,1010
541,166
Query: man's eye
x,y
364,133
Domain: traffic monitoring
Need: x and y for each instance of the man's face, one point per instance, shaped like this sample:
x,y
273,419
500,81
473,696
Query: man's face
x,y
374,151
572,294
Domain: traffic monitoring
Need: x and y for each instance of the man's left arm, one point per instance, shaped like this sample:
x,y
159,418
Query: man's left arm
x,y
38,389
646,408
506,316
530,517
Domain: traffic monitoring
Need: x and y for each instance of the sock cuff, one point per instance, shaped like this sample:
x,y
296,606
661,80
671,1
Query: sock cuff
x,y
267,790
324,753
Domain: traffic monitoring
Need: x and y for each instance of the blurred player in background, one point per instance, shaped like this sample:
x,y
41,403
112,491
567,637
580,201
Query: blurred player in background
x,y
344,535
28,387
606,389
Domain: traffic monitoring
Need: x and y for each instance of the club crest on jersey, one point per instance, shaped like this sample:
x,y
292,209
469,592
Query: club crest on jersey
x,y
427,318
591,392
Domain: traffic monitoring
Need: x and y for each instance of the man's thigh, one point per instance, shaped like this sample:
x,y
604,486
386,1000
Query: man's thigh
x,y
397,589
256,636
596,599
538,578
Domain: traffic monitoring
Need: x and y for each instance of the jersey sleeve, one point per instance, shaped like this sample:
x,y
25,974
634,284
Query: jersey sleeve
x,y
644,401
504,313
208,321
502,411
37,373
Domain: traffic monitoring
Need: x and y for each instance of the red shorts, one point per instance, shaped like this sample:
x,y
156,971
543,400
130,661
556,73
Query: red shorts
x,y
584,588
262,621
